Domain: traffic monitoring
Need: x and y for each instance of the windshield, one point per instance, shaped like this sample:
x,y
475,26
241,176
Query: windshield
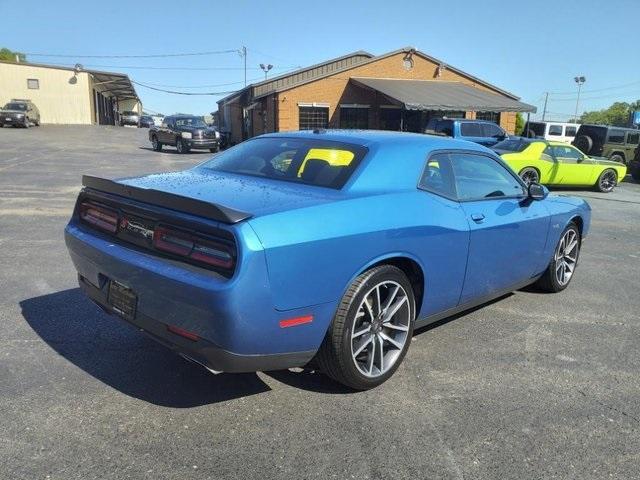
x,y
15,106
129,113
512,145
190,122
536,127
310,161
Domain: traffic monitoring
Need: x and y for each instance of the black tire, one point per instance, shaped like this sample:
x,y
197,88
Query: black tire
x,y
334,357
214,150
529,175
584,143
607,181
549,282
616,157
635,174
181,146
155,144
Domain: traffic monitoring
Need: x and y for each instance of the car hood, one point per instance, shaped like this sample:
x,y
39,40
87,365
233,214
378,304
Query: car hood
x,y
253,195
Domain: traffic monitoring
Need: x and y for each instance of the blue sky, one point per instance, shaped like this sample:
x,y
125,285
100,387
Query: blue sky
x,y
525,47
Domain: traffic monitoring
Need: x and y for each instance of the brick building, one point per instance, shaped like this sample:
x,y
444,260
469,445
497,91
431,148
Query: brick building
x,y
400,90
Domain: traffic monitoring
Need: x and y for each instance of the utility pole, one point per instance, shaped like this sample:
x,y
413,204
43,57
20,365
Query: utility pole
x,y
544,110
244,55
579,80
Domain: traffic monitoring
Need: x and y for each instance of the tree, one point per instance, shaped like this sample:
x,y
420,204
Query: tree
x,y
616,115
7,55
519,123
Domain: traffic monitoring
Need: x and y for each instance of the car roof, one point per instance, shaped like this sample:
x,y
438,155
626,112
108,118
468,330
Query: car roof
x,y
609,127
380,137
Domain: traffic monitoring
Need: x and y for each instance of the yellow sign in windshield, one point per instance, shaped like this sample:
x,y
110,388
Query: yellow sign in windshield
x,y
335,158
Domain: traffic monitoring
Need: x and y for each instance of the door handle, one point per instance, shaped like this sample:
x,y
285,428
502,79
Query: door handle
x,y
477,217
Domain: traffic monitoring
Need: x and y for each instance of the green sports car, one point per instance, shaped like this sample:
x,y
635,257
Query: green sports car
x,y
557,163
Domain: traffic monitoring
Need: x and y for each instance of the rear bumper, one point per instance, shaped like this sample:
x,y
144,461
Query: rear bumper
x,y
237,325
201,351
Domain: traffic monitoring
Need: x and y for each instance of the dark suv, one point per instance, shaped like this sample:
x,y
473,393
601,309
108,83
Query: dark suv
x,y
483,132
19,113
184,132
615,143
634,165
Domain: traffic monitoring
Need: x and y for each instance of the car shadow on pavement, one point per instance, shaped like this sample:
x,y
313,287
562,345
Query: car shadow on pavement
x,y
125,359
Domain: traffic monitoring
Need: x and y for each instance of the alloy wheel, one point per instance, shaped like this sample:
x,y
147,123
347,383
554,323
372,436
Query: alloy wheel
x,y
566,256
529,176
608,181
381,328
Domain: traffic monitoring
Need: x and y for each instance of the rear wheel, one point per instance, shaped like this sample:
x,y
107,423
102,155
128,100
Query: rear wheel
x,y
529,175
371,331
563,264
157,146
214,150
635,173
607,181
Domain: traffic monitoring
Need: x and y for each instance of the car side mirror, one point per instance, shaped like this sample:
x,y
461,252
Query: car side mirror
x,y
536,191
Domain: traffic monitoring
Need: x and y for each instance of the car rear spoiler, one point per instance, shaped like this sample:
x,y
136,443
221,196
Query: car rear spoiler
x,y
172,201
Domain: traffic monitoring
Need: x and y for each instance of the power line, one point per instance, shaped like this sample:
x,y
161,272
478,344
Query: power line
x,y
138,67
617,87
158,55
174,92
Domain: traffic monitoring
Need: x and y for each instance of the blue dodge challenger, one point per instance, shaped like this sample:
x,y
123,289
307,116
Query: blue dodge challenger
x,y
321,247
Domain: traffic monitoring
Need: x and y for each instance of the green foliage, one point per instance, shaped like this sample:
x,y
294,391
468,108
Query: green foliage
x,y
7,55
519,123
617,114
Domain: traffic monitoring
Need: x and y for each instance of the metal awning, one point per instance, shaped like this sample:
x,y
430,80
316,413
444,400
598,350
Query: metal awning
x,y
440,95
115,84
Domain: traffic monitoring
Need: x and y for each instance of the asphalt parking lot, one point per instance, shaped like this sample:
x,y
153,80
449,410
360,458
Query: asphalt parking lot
x,y
530,386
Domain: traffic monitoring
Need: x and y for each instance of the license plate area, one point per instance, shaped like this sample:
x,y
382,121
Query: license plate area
x,y
122,300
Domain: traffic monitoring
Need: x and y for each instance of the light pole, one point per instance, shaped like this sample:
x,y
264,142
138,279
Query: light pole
x,y
579,80
265,69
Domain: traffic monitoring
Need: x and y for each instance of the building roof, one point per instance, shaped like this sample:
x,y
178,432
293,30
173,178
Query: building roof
x,y
117,84
442,95
341,64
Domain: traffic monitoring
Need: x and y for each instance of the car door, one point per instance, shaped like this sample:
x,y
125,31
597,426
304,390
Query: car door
x,y
574,168
471,131
631,144
492,134
164,131
508,230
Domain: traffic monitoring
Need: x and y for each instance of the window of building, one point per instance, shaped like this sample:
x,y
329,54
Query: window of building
x,y
490,116
451,114
311,118
354,117
33,84
555,130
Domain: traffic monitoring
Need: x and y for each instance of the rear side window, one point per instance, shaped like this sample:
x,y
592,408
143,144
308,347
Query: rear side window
x,y
570,131
315,162
555,130
492,130
632,138
616,136
438,176
468,129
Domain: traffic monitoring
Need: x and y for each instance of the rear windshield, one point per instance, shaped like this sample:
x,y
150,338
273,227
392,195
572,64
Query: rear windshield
x,y
300,160
15,106
512,145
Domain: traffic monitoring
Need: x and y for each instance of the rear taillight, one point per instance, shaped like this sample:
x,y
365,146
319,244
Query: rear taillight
x,y
194,247
99,216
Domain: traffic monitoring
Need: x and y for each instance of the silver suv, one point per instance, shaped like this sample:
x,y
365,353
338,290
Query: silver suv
x,y
20,113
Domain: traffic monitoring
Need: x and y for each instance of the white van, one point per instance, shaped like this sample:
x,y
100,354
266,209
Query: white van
x,y
558,131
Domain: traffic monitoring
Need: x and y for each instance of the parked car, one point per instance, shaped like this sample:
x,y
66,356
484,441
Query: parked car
x,y
555,131
557,163
615,143
20,113
634,165
483,132
146,121
129,118
184,132
327,247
